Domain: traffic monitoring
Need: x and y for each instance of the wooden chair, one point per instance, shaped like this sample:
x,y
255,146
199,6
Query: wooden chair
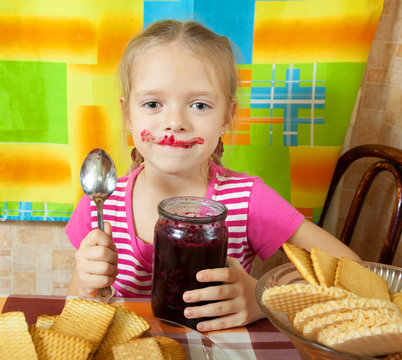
x,y
389,159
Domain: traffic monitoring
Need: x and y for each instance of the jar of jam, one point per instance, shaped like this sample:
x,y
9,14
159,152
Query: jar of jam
x,y
190,235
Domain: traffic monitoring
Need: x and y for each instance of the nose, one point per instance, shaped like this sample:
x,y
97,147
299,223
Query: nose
x,y
175,120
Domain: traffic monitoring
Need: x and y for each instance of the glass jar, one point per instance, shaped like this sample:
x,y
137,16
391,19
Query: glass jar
x,y
190,235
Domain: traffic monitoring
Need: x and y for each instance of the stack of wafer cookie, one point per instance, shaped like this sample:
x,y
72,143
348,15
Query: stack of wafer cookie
x,y
84,330
342,305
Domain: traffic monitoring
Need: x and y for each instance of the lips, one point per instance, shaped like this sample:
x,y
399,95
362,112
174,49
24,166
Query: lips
x,y
170,140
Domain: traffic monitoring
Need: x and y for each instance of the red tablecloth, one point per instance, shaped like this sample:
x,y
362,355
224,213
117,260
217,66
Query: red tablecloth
x,y
260,340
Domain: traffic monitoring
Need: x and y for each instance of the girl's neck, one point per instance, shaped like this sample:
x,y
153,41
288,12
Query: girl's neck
x,y
151,187
169,185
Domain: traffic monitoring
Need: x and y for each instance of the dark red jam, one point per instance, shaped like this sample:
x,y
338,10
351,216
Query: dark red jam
x,y
189,239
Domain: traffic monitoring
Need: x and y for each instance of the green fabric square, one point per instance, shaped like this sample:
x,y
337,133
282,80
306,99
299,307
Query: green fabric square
x,y
306,71
33,102
38,206
277,112
262,75
12,205
264,112
259,134
60,207
263,162
304,134
277,135
280,75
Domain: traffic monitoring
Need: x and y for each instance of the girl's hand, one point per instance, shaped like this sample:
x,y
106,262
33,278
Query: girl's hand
x,y
96,262
237,304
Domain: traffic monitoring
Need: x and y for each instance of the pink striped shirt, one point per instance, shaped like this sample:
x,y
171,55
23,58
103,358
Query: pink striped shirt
x,y
259,221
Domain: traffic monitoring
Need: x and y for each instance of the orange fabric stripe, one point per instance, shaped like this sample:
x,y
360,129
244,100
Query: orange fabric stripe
x,y
41,168
91,129
242,126
253,120
312,174
236,139
297,39
307,212
243,112
245,77
130,141
29,33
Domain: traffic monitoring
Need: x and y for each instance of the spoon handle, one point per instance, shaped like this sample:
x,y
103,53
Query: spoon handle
x,y
105,293
99,210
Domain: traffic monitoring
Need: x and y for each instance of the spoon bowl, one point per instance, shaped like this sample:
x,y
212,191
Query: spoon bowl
x,y
98,179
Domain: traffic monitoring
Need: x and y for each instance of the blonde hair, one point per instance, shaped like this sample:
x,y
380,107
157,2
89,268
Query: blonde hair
x,y
199,41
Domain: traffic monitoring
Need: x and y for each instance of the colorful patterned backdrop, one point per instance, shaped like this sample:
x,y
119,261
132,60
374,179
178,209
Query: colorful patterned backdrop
x,y
301,64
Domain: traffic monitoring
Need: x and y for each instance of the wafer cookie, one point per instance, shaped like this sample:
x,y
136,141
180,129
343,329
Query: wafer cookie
x,y
45,321
125,326
293,298
15,340
138,349
362,337
324,266
171,349
301,259
356,278
342,306
85,318
52,345
312,328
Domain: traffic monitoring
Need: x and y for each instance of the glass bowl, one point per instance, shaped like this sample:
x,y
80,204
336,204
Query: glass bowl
x,y
307,349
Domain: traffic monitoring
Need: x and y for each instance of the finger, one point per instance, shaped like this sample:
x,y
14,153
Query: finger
x,y
98,253
107,227
97,268
91,283
211,293
220,323
219,274
219,308
233,263
97,237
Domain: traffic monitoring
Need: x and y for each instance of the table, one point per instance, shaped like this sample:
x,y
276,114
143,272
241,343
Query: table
x,y
259,340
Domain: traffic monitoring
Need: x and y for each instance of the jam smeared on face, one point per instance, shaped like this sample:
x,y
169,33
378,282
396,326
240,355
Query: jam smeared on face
x,y
170,140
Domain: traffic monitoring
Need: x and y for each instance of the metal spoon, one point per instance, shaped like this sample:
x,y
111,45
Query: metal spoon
x,y
98,180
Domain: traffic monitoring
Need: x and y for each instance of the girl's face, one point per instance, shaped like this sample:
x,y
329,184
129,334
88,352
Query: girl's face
x,y
175,112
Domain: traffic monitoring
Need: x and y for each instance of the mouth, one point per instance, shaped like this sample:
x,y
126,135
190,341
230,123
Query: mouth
x,y
170,140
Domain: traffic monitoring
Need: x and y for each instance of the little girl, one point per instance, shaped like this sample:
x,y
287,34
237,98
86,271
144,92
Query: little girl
x,y
178,100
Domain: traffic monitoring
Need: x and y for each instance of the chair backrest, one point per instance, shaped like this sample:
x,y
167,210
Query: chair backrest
x,y
388,159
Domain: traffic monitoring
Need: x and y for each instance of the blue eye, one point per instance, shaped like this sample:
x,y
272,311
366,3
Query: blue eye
x,y
200,106
152,104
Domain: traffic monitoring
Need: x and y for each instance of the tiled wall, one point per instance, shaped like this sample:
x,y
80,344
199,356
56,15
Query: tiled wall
x,y
37,257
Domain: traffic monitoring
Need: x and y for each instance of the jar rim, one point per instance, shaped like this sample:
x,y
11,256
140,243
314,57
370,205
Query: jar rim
x,y
201,219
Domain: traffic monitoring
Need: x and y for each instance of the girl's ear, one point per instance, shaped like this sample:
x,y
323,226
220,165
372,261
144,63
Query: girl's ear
x,y
124,113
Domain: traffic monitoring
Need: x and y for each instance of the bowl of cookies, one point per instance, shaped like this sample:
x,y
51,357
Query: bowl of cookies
x,y
334,308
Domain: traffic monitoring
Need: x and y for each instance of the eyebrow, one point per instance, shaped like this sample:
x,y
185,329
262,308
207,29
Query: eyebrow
x,y
146,92
153,92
